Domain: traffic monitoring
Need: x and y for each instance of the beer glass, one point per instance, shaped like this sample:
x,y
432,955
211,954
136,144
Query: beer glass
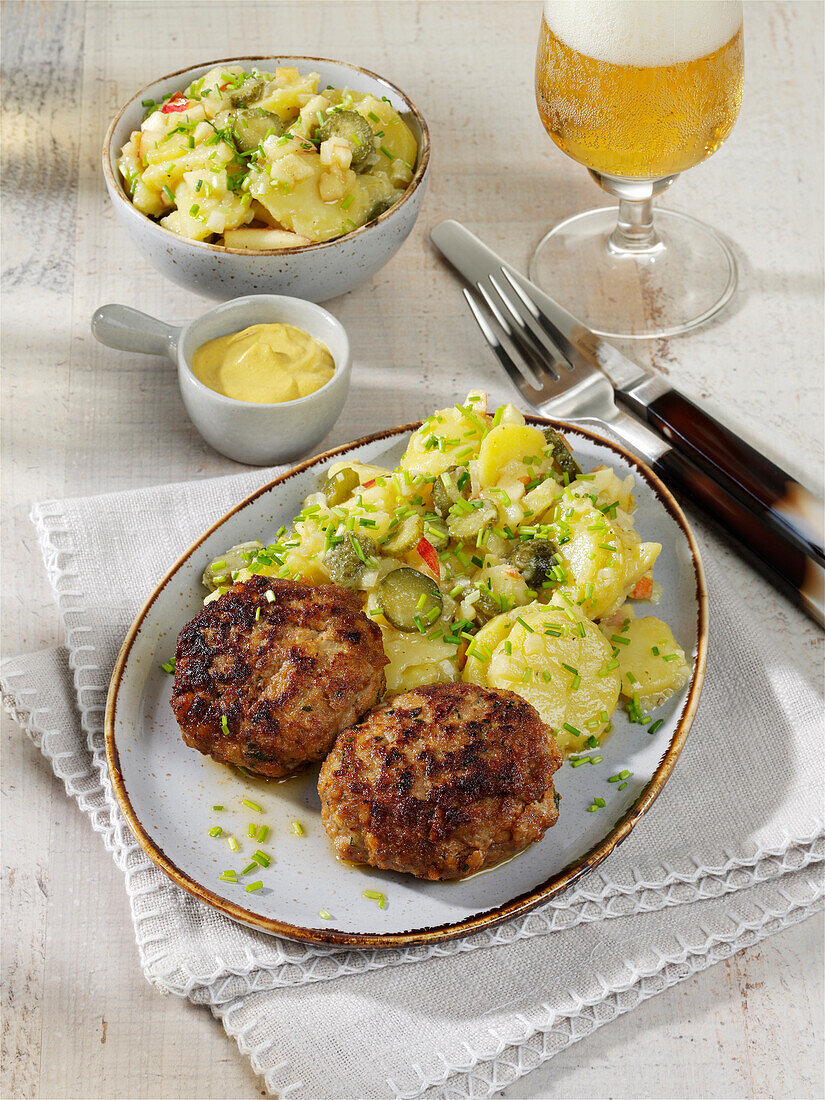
x,y
637,91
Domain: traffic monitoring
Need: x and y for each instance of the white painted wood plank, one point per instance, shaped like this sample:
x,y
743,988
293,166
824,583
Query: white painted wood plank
x,y
81,419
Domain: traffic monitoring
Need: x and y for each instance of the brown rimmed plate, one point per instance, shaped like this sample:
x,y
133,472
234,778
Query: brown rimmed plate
x,y
167,791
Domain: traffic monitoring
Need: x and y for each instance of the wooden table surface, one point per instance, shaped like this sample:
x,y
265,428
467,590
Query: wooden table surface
x,y
79,1020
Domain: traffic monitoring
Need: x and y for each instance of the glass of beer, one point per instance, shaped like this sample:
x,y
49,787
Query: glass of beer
x,y
637,91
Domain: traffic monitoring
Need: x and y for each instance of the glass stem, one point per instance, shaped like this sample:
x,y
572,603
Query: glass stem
x,y
635,231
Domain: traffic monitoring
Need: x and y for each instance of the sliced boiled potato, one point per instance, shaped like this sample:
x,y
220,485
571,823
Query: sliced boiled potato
x,y
556,659
602,560
256,239
652,663
206,205
448,438
288,93
415,659
502,454
504,582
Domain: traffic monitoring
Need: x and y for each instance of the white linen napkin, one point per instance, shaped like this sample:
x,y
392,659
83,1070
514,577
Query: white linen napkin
x,y
731,852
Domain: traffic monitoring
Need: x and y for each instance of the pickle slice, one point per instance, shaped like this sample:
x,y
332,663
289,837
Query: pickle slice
x,y
341,486
406,536
410,601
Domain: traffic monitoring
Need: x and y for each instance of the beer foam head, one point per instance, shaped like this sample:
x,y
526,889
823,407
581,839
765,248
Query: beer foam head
x,y
643,32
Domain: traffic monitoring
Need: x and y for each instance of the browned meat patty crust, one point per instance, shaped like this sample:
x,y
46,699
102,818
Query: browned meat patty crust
x,y
440,782
267,676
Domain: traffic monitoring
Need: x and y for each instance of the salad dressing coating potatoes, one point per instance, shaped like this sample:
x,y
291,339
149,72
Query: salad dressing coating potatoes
x,y
489,555
261,160
558,660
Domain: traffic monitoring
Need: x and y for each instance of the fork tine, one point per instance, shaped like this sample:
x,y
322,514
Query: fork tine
x,y
549,358
565,348
524,387
537,371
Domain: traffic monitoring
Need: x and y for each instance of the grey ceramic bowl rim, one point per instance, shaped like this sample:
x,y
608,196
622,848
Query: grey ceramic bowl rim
x,y
116,185
343,368
514,907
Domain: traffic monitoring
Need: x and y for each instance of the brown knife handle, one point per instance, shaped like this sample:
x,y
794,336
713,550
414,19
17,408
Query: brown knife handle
x,y
800,578
784,505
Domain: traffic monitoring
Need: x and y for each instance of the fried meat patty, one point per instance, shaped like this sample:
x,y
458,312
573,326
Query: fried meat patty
x,y
268,675
440,782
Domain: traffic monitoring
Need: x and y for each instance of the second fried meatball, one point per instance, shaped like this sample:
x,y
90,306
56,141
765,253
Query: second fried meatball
x,y
440,782
268,675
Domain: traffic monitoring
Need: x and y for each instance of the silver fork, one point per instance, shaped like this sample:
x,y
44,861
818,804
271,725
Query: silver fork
x,y
553,373
549,371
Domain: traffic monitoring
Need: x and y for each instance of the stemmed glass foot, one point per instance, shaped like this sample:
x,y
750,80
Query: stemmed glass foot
x,y
625,277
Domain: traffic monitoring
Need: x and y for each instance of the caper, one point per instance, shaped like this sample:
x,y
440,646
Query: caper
x,y
247,93
534,560
353,128
250,126
340,487
446,491
347,562
219,572
561,455
410,601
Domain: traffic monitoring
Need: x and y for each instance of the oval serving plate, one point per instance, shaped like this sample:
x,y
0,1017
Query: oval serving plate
x,y
167,791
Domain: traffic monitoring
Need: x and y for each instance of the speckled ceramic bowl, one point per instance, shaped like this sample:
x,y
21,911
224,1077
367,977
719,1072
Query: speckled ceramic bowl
x,y
167,791
317,271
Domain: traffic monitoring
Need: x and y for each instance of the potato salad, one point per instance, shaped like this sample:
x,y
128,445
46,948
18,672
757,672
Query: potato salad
x,y
489,555
259,160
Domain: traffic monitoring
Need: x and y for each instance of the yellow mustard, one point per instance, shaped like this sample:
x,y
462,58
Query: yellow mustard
x,y
264,363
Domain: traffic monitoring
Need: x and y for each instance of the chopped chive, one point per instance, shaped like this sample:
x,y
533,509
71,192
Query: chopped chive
x,y
526,626
233,844
297,828
252,830
218,807
253,866
253,805
624,774
617,639
270,595
572,729
347,202
216,830
262,858
169,666
257,614
376,895
386,152
578,763
596,759
622,786
324,914
228,876
656,725
250,887
263,833
600,802
592,809
224,725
